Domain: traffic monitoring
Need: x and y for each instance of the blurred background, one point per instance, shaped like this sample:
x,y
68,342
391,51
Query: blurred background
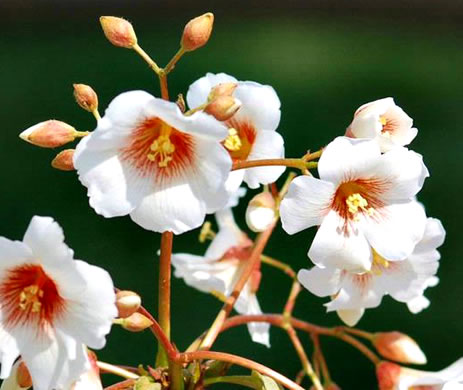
x,y
324,58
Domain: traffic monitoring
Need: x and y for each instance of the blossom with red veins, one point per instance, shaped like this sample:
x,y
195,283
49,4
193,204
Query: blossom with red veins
x,y
404,280
219,269
146,159
51,306
364,200
394,377
383,121
251,131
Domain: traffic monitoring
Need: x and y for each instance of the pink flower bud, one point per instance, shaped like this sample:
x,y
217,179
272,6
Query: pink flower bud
x,y
388,375
127,303
223,89
86,97
118,31
398,347
197,32
64,160
23,377
49,134
223,107
260,213
136,323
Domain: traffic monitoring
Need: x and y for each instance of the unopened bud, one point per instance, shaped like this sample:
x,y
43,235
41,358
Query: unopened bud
x,y
136,323
223,108
86,97
23,377
388,375
398,347
197,32
64,160
224,89
260,213
49,134
127,303
118,31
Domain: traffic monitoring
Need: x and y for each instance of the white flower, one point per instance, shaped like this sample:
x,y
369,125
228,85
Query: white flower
x,y
251,131
363,200
89,380
50,306
394,377
148,160
219,269
403,280
385,122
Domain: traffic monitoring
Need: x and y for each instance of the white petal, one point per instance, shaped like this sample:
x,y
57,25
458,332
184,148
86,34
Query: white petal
x,y
306,203
89,314
46,240
268,144
9,351
332,247
260,331
320,281
198,91
366,126
229,235
404,170
418,304
398,229
346,159
433,238
350,317
13,253
234,180
260,105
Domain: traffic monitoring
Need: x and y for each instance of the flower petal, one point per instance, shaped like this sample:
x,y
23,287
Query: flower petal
x,y
350,317
260,331
306,203
333,246
322,282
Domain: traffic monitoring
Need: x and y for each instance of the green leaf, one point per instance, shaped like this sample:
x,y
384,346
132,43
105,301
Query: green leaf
x,y
146,383
266,382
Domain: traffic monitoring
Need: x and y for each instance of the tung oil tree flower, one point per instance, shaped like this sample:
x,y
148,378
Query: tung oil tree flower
x,y
403,280
362,202
251,131
51,306
147,159
218,270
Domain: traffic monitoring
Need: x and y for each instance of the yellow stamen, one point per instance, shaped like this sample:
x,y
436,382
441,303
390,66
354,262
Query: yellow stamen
x,y
162,149
29,299
206,232
355,202
233,141
379,263
383,120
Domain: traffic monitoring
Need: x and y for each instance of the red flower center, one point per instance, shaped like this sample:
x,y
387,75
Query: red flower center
x,y
158,149
28,296
241,138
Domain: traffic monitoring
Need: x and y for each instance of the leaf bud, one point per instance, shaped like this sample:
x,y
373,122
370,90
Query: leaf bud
x,y
118,31
197,32
388,375
86,97
223,107
260,213
127,302
398,347
136,322
64,160
223,89
49,134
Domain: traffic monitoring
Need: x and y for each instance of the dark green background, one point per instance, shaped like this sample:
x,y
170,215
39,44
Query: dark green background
x,y
323,62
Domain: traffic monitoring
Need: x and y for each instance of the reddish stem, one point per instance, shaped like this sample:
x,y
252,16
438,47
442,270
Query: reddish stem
x,y
226,357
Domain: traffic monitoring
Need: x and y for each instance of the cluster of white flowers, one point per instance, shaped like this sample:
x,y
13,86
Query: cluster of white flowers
x,y
373,238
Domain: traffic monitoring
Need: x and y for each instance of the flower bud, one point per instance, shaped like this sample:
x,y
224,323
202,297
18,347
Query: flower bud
x,y
223,107
118,31
64,160
223,89
254,280
197,32
260,213
86,97
388,375
23,376
127,303
136,322
398,347
49,134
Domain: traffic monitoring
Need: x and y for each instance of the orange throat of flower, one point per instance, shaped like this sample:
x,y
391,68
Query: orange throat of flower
x,y
240,139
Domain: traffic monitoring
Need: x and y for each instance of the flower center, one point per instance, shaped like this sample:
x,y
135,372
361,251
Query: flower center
x,y
28,295
383,120
158,149
240,139
379,263
356,202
